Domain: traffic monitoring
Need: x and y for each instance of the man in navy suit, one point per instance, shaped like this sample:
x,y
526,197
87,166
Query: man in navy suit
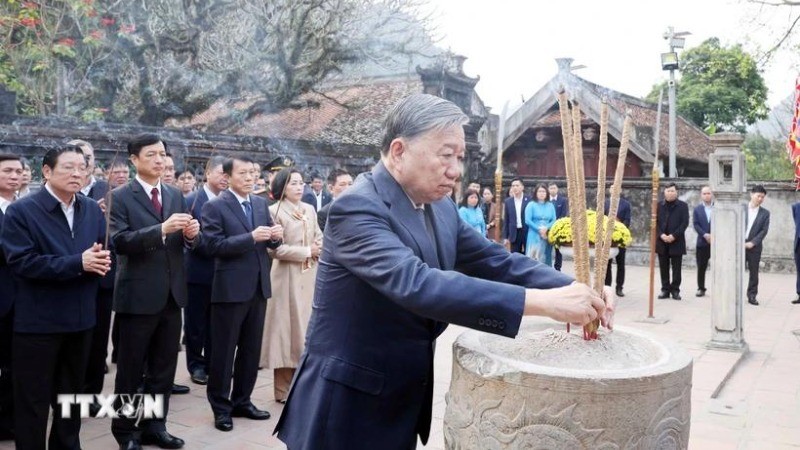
x,y
397,266
624,216
562,210
796,249
757,221
515,232
150,229
237,230
199,274
339,180
701,219
11,173
316,196
53,244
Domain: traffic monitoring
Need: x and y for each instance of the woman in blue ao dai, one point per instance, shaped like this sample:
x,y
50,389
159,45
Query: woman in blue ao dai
x,y
540,215
471,213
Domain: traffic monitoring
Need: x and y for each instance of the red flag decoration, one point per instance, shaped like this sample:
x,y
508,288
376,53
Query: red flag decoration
x,y
793,144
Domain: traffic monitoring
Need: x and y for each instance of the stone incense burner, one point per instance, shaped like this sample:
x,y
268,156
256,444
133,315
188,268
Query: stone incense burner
x,y
547,389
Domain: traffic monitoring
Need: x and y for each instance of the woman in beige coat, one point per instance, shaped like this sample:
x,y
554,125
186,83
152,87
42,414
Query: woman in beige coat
x,y
294,270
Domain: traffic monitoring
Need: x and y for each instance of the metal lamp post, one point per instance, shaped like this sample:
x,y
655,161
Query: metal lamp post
x,y
669,61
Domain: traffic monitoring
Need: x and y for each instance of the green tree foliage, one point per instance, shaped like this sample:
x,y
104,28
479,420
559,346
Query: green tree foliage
x,y
148,61
766,159
720,88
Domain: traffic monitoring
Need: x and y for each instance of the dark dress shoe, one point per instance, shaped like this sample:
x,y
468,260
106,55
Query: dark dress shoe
x,y
179,389
250,412
663,294
676,295
199,376
796,301
753,301
620,293
130,445
700,293
162,439
223,422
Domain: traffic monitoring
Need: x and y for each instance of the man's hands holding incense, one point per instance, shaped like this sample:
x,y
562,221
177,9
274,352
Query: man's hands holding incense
x,y
576,303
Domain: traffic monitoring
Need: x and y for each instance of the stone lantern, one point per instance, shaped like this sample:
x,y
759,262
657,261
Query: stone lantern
x,y
728,180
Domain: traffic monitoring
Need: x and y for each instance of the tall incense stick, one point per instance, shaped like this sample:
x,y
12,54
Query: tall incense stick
x,y
600,265
109,201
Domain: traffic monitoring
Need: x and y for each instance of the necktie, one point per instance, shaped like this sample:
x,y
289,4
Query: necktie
x,y
154,200
248,212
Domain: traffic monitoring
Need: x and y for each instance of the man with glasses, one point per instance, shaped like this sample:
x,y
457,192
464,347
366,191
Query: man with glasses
x,y
53,241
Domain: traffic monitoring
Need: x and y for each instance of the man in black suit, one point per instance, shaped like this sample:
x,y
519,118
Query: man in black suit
x,y
316,196
237,230
701,219
624,216
757,220
11,172
562,210
672,221
199,274
338,182
53,244
149,228
515,232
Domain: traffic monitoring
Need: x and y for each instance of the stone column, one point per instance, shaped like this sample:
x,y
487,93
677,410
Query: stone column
x,y
728,179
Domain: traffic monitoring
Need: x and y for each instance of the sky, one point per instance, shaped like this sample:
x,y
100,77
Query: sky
x,y
512,44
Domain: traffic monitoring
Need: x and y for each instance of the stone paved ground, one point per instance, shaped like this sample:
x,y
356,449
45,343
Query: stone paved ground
x,y
757,408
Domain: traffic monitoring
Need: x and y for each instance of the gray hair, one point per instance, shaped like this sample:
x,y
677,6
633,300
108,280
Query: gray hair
x,y
82,144
420,113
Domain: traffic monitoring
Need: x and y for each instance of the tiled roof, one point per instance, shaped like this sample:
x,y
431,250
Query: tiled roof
x,y
354,116
692,142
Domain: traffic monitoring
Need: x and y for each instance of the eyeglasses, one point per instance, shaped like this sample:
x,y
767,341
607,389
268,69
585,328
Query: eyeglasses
x,y
70,169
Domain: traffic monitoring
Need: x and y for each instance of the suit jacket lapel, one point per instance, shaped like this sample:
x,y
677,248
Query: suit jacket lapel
x,y
144,198
443,233
236,208
401,207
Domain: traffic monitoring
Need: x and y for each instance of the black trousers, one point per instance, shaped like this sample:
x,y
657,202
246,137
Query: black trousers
x,y
559,260
620,260
46,365
752,257
518,245
665,262
114,339
703,256
148,344
196,325
237,330
6,384
95,368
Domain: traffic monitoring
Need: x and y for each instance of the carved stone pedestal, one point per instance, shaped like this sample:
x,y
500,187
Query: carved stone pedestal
x,y
547,389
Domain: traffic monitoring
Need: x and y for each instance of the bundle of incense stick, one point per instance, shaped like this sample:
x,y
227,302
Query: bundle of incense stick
x,y
576,190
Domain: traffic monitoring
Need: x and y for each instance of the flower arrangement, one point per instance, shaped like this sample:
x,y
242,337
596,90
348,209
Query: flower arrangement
x,y
561,231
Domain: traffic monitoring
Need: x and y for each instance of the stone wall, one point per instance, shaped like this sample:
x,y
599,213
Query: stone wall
x,y
777,256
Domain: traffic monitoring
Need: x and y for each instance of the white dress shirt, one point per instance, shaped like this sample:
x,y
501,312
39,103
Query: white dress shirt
x,y
85,190
211,195
4,204
148,188
68,209
751,217
518,207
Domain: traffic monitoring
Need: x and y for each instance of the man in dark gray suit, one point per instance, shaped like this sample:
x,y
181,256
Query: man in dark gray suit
x,y
149,228
757,223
